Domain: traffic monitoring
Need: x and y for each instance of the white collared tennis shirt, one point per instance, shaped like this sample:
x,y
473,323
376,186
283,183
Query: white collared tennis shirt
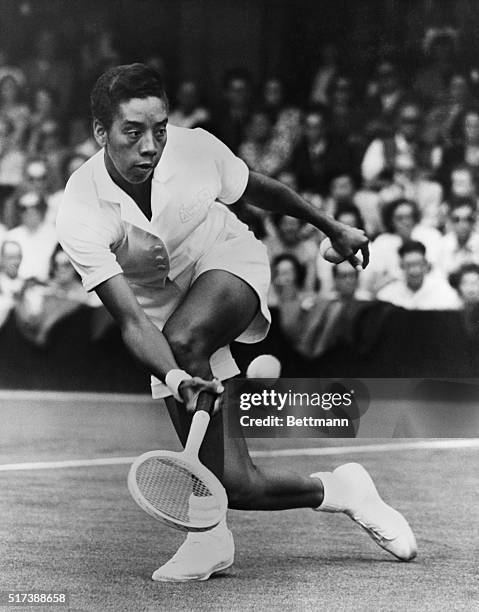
x,y
105,233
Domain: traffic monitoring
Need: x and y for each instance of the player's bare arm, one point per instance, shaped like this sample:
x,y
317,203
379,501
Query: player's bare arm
x,y
269,194
145,340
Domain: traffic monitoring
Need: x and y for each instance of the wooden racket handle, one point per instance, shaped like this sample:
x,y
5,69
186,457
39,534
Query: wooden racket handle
x,y
206,401
199,425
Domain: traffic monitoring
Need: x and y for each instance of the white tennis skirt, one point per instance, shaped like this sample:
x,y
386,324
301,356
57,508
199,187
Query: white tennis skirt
x,y
242,255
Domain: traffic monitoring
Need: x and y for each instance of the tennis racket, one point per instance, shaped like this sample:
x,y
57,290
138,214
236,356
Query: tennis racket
x,y
175,487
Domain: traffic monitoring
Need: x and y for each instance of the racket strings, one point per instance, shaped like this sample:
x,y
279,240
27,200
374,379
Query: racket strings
x,y
174,490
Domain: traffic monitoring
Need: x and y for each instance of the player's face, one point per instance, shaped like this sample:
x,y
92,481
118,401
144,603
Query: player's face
x,y
137,138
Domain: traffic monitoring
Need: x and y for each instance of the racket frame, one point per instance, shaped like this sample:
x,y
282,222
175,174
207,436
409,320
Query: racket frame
x,y
189,456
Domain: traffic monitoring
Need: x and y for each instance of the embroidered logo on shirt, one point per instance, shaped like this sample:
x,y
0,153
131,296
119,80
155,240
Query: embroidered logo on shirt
x,y
188,212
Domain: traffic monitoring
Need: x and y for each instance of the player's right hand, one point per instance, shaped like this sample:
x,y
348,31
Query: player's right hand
x,y
190,390
348,241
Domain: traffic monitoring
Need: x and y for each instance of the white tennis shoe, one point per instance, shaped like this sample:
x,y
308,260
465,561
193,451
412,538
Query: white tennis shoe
x,y
362,503
200,555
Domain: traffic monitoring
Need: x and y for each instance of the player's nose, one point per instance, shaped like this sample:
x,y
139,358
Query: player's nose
x,y
148,145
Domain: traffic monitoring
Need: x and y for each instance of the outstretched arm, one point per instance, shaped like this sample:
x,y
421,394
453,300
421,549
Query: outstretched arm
x,y
271,195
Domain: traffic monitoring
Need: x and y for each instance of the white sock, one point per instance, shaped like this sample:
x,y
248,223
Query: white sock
x,y
334,499
219,533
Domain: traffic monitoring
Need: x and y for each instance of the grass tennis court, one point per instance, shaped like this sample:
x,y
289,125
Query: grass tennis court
x,y
76,529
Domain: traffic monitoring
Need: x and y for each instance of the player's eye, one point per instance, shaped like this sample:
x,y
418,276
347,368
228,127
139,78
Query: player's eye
x,y
133,134
159,134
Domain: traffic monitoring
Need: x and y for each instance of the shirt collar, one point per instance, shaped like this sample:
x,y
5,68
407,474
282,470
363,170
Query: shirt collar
x,y
109,191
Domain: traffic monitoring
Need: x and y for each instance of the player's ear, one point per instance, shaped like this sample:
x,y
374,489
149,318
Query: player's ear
x,y
99,132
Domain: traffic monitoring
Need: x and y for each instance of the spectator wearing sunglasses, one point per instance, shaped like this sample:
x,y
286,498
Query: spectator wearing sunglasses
x,y
460,245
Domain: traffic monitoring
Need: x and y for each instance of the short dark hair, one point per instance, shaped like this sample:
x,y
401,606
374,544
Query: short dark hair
x,y
455,277
120,84
460,201
411,246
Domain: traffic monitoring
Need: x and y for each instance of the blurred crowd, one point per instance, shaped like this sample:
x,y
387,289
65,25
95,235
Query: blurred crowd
x,y
395,153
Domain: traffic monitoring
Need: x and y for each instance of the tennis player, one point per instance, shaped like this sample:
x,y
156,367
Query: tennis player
x,y
146,223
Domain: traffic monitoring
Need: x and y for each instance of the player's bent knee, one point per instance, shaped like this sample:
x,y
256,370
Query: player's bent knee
x,y
189,349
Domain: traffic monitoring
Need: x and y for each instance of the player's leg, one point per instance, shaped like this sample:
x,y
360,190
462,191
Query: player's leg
x,y
217,309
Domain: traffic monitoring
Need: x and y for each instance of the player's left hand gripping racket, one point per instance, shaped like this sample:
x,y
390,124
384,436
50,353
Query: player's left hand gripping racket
x,y
175,487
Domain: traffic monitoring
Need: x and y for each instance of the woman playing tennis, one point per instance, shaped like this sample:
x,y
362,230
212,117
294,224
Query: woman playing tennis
x,y
146,223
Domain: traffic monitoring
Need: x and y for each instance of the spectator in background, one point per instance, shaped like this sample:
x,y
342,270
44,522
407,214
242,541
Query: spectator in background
x,y
431,82
386,97
45,69
65,283
232,117
71,162
12,162
189,112
44,108
285,237
326,72
343,192
461,243
409,182
350,215
462,183
318,156
287,278
401,218
80,137
346,284
466,282
465,152
50,147
14,108
36,237
312,325
443,122
259,150
285,119
35,179
419,289
10,283
96,51
381,155
347,116
7,68
10,260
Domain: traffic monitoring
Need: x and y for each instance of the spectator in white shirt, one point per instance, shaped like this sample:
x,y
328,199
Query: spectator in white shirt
x,y
401,219
36,237
419,289
460,245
